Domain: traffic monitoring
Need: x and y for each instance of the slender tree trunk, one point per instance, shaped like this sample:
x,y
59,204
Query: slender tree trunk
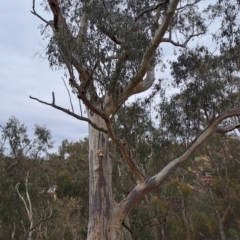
x,y
221,228
104,213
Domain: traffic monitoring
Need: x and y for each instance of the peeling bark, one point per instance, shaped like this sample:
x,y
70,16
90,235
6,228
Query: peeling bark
x,y
104,213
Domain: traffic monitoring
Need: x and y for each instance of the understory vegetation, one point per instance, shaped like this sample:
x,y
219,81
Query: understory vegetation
x,y
199,200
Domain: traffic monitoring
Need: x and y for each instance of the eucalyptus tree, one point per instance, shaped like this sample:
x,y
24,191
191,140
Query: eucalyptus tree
x,y
208,88
111,50
22,178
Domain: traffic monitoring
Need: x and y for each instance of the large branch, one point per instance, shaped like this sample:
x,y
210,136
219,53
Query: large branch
x,y
69,113
87,102
111,36
134,169
149,53
146,83
143,188
224,130
53,4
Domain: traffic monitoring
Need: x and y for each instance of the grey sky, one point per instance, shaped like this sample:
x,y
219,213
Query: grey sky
x,y
22,74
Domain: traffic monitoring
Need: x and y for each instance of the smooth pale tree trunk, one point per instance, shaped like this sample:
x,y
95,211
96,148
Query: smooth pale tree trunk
x,y
221,228
105,215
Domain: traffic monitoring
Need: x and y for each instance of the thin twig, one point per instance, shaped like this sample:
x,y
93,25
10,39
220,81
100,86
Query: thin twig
x,y
40,221
80,107
188,5
112,37
150,10
91,74
69,95
53,97
35,13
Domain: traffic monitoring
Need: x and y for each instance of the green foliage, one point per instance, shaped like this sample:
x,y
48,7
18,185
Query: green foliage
x,y
184,208
73,191
203,195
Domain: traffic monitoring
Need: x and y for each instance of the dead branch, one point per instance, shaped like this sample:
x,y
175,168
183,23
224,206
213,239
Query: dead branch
x,y
35,13
69,113
68,95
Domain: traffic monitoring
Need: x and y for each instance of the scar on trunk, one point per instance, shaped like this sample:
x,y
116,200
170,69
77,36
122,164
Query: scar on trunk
x,y
100,153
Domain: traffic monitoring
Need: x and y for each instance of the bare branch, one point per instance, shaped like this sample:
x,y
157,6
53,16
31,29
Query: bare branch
x,y
188,5
69,95
27,203
146,83
70,113
150,10
80,107
169,40
143,188
53,98
112,37
139,176
194,35
224,130
35,13
40,221
183,45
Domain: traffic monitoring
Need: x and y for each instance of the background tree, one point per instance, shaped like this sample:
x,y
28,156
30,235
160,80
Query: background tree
x,y
21,158
27,211
111,51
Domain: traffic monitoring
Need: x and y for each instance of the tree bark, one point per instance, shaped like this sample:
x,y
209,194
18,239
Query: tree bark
x,y
105,216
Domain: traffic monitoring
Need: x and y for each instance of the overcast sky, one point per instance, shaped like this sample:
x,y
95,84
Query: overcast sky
x,y
24,73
